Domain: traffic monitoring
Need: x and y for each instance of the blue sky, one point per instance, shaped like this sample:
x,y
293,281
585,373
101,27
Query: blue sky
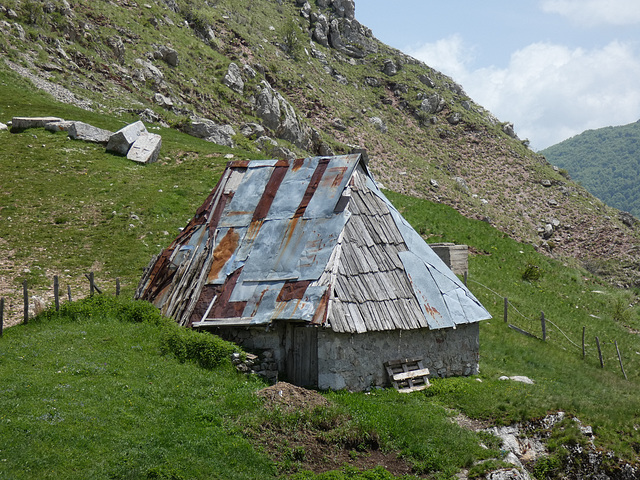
x,y
554,68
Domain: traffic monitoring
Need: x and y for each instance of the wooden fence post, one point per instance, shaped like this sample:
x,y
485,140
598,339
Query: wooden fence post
x,y
25,293
117,286
1,315
583,351
56,287
92,284
599,352
506,309
620,360
544,326
69,292
466,276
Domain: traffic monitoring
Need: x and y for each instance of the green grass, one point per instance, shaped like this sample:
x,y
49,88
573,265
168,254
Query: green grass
x,y
90,208
94,397
571,298
69,207
97,391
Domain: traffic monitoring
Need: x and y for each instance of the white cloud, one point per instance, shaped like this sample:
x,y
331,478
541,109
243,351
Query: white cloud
x,y
596,12
550,92
449,55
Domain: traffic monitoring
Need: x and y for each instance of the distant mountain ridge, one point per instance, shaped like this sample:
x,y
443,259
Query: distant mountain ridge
x,y
606,162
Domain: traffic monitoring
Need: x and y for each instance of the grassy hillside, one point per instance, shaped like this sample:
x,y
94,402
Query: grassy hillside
x,y
606,161
103,381
67,208
450,149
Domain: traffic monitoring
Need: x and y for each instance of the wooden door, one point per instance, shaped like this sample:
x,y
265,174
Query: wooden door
x,y
302,358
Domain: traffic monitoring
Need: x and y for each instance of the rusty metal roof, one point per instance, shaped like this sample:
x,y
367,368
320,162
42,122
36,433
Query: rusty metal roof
x,y
312,241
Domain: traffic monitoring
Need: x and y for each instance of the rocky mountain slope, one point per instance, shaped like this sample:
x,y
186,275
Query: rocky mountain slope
x,y
291,78
606,162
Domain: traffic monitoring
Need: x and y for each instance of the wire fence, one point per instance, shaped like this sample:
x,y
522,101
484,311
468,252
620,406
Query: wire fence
x,y
28,311
543,325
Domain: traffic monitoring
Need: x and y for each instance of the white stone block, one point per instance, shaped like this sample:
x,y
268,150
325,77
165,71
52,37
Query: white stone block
x,y
88,133
146,148
121,141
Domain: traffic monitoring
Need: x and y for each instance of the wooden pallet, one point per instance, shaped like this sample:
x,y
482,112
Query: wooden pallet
x,y
407,374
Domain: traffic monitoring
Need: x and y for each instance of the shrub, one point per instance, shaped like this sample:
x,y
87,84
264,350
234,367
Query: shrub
x,y
291,39
205,349
105,306
620,311
532,273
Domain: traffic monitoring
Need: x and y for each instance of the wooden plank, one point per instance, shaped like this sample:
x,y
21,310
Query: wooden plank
x,y
524,332
399,362
224,322
411,374
339,320
414,389
407,375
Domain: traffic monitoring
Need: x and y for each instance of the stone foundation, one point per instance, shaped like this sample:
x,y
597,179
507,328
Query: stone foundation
x,y
355,361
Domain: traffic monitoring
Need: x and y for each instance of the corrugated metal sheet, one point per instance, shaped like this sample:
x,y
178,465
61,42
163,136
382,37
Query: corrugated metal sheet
x,y
312,241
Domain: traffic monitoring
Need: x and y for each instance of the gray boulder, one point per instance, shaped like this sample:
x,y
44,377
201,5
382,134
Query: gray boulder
x,y
167,54
270,147
211,131
88,133
305,11
163,101
18,124
432,104
116,44
318,145
233,78
372,81
268,106
149,116
509,130
379,124
149,71
146,148
338,124
321,31
628,219
344,8
455,118
121,141
389,68
355,39
252,130
279,116
61,126
250,72
426,80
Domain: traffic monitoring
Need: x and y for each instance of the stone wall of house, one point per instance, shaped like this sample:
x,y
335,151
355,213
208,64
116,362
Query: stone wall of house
x,y
268,344
355,361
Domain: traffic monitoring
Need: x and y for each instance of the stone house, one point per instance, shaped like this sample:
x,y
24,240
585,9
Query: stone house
x,y
309,260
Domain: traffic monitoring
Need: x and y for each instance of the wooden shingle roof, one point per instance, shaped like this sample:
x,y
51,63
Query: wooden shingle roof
x,y
313,241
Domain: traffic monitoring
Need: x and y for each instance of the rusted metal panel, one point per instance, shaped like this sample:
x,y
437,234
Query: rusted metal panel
x,y
293,188
293,249
331,187
271,189
312,186
239,212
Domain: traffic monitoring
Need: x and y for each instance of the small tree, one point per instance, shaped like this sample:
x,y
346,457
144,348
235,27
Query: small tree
x,y
290,35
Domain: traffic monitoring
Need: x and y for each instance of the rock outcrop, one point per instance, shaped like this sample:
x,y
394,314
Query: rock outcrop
x,y
211,131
